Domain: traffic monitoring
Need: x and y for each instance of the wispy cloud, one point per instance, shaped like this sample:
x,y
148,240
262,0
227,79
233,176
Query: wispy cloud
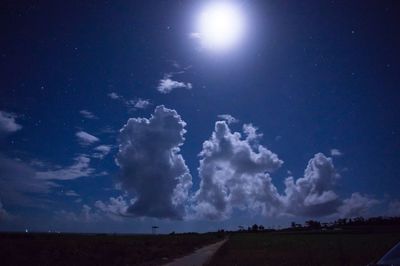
x,y
102,151
80,168
4,215
336,152
87,114
85,138
107,130
114,95
141,103
134,104
356,205
19,184
8,123
71,193
114,209
394,208
30,184
138,103
85,215
167,84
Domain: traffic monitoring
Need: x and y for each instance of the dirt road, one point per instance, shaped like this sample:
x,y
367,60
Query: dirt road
x,y
199,257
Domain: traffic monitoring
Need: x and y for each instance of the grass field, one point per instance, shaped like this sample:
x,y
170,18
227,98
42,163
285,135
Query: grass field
x,y
304,248
75,249
262,248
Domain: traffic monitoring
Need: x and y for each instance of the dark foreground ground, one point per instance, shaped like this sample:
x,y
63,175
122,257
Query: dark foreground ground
x,y
347,247
336,248
75,249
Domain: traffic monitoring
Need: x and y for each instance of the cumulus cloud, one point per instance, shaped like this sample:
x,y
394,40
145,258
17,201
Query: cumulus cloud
x,y
87,114
336,152
85,215
80,168
252,136
115,208
8,123
313,195
102,151
356,205
167,84
228,118
85,138
151,168
234,173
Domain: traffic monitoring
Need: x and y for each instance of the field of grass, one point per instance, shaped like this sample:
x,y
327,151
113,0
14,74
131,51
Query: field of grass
x,y
75,249
304,248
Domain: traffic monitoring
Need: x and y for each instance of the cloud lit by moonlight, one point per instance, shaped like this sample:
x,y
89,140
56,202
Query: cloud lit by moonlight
x,y
220,26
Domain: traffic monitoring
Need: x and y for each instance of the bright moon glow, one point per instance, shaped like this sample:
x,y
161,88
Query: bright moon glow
x,y
220,26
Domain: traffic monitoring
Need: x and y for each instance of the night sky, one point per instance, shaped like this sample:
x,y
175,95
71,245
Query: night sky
x,y
116,116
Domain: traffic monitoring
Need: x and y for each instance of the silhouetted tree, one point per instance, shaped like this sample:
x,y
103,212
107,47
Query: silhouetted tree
x,y
254,228
341,222
359,220
313,224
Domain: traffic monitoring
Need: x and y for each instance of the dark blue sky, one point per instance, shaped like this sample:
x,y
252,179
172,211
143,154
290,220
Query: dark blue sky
x,y
313,77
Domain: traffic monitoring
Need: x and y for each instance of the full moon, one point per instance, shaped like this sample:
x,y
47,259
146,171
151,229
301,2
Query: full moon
x,y
220,26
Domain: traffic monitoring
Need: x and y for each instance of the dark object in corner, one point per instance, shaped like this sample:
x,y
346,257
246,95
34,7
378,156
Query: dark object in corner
x,y
391,258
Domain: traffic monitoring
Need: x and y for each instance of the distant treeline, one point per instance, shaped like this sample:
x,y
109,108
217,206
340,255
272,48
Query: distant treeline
x,y
337,224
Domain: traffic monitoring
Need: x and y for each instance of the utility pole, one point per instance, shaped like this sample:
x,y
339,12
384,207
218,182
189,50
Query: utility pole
x,y
154,229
